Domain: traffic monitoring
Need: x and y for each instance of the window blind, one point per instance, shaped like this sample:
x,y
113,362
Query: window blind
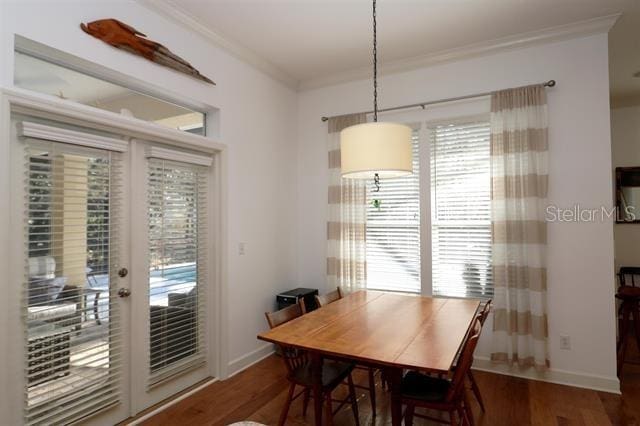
x,y
71,327
393,231
461,216
178,267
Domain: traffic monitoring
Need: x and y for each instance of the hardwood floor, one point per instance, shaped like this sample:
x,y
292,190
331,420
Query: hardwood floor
x,y
258,393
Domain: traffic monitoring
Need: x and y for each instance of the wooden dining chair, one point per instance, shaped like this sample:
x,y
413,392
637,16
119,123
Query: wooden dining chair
x,y
299,372
447,395
371,388
629,295
482,317
329,297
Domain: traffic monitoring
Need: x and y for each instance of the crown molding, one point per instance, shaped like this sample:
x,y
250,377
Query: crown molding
x,y
588,27
169,10
558,33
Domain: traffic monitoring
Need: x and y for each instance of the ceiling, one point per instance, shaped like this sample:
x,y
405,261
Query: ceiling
x,y
309,40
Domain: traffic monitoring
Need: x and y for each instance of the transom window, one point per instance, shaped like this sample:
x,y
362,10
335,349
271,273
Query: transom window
x,y
41,76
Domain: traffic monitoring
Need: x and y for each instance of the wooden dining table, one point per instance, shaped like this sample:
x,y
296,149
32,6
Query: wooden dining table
x,y
391,331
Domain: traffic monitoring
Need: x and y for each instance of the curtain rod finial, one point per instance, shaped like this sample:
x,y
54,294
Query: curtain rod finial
x,y
550,83
325,118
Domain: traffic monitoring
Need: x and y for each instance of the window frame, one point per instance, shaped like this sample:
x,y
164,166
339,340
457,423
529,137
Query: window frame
x,y
476,109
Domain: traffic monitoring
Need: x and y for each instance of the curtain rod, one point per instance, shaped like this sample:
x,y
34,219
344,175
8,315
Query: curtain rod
x,y
549,83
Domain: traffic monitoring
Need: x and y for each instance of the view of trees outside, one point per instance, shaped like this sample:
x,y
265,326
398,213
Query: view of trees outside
x,y
40,193
40,223
98,215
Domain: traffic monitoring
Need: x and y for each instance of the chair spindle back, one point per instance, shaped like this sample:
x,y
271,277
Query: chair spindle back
x,y
329,297
292,357
465,361
628,276
484,313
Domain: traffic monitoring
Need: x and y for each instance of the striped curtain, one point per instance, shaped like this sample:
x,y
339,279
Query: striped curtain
x,y
346,245
519,151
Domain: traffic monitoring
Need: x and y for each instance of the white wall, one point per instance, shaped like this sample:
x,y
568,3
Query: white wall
x,y
580,265
257,122
625,140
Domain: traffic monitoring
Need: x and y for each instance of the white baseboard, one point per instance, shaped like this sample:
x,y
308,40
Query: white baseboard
x,y
247,360
561,377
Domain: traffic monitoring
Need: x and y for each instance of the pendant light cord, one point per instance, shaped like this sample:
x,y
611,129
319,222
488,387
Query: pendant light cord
x,y
375,65
376,178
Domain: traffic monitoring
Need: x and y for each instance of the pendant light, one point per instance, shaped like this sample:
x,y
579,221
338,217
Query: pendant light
x,y
375,150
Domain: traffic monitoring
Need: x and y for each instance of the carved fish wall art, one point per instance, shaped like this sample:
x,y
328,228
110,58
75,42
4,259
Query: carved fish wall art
x,y
125,37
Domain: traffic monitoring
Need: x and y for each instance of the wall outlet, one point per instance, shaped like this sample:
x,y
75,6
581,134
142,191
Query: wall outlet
x,y
241,248
565,342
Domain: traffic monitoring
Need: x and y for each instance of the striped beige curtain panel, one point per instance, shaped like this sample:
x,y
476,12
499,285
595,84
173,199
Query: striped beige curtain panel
x,y
346,245
519,151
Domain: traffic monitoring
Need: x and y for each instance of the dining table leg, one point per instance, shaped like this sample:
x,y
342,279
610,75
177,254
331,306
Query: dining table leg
x,y
316,377
394,376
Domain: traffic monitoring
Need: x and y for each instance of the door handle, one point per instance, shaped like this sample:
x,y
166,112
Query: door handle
x,y
124,292
123,272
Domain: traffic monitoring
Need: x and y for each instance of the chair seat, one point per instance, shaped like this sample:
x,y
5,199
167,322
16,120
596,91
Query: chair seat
x,y
424,388
628,292
333,373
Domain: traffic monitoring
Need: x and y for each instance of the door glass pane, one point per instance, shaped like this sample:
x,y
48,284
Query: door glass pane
x,y
72,330
176,231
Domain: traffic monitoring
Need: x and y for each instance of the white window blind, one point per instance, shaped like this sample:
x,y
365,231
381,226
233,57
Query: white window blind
x,y
460,213
393,231
72,328
178,267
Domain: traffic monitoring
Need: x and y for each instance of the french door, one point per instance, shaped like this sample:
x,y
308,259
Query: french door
x,y
111,292
171,258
